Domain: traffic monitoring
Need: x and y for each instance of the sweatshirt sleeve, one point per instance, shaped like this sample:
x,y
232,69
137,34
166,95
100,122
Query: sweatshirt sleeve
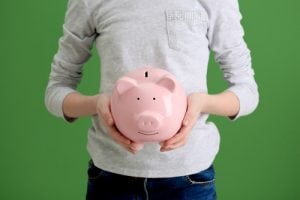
x,y
73,51
225,37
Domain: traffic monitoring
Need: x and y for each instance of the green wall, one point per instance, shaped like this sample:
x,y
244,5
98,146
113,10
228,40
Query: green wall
x,y
43,157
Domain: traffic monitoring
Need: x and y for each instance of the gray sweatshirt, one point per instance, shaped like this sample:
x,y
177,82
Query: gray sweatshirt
x,y
174,35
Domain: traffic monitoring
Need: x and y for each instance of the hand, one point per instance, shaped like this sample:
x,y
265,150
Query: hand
x,y
105,116
196,103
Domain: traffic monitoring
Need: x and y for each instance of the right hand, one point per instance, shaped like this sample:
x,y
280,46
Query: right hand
x,y
105,116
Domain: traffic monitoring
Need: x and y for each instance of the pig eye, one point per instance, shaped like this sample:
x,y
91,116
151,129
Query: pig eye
x,y
138,98
154,98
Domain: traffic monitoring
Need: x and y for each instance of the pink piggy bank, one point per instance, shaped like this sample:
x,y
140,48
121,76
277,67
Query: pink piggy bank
x,y
148,105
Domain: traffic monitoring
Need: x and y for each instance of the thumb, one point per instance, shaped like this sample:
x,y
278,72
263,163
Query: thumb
x,y
191,115
108,118
104,109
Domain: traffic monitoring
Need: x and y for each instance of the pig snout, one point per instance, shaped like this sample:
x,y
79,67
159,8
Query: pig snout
x,y
149,123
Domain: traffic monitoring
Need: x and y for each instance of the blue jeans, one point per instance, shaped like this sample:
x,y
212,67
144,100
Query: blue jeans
x,y
109,186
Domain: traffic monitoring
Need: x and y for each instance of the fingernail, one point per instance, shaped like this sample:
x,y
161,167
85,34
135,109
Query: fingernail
x,y
133,151
138,147
164,149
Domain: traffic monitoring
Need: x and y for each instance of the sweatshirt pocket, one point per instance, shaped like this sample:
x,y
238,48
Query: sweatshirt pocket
x,y
185,28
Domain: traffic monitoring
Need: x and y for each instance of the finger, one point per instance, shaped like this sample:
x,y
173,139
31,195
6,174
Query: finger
x,y
136,146
102,120
103,109
133,147
105,117
125,142
108,118
179,140
173,146
193,109
103,102
190,116
118,137
129,149
178,137
181,135
188,123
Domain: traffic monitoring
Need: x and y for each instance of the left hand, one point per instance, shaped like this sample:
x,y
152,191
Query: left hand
x,y
195,105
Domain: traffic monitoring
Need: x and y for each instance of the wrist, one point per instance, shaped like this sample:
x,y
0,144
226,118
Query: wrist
x,y
223,104
93,104
200,101
77,105
207,102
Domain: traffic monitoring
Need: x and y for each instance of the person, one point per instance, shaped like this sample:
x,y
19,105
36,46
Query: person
x,y
177,36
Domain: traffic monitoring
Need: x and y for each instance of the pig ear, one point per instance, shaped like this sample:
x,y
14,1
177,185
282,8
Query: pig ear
x,y
125,84
167,82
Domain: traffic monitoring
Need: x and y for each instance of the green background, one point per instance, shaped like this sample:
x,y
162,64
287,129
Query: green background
x,y
43,157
